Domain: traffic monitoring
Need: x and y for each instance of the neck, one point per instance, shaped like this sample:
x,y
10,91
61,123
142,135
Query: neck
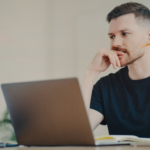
x,y
140,69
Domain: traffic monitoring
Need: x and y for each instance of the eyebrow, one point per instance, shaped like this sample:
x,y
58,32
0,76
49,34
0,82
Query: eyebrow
x,y
119,31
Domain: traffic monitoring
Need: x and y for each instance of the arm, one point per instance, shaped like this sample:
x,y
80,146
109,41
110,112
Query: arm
x,y
95,117
100,63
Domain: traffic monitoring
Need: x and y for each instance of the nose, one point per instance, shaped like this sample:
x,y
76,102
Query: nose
x,y
117,42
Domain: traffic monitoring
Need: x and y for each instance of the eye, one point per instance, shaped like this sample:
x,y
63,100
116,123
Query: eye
x,y
112,37
124,33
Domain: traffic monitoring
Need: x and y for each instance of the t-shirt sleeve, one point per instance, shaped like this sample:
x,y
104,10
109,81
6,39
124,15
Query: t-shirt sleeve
x,y
96,100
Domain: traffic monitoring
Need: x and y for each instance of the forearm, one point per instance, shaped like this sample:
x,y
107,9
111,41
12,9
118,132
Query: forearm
x,y
87,87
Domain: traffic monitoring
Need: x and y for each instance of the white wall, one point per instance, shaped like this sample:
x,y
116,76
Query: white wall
x,y
23,43
47,39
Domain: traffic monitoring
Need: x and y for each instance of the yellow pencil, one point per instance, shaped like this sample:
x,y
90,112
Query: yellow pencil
x,y
145,45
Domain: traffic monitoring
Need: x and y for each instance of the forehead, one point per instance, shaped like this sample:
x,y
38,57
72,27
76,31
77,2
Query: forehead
x,y
127,21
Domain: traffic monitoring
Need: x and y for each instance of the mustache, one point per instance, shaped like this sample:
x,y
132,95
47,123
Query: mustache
x,y
120,49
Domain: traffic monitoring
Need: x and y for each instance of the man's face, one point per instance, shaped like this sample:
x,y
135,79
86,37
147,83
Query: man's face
x,y
126,35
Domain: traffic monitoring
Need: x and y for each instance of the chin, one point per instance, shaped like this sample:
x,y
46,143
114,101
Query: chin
x,y
123,63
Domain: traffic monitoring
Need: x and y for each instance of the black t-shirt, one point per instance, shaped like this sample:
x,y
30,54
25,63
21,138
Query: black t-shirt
x,y
125,103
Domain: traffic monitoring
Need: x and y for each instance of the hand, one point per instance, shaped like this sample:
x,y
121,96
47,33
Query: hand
x,y
103,59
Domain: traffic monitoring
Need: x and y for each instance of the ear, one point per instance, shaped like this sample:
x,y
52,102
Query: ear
x,y
148,36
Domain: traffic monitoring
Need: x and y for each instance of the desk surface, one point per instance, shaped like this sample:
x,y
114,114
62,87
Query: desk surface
x,y
82,148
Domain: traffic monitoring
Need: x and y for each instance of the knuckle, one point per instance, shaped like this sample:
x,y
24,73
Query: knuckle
x,y
110,53
114,53
103,49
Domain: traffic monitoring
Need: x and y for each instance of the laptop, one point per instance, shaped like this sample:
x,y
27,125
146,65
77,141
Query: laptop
x,y
49,113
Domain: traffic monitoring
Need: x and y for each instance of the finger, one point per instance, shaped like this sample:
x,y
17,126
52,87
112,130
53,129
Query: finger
x,y
112,60
117,60
112,57
114,64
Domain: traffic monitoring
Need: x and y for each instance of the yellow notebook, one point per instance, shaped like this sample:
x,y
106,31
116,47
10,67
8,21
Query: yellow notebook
x,y
121,138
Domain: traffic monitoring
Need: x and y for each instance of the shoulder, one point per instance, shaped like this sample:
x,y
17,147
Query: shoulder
x,y
113,77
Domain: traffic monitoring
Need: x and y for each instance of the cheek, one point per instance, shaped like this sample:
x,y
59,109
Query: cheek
x,y
133,42
111,45
137,42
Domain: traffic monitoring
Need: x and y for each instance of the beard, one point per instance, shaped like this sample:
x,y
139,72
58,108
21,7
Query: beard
x,y
129,57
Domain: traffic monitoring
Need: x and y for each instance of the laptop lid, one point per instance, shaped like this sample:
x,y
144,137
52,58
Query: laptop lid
x,y
48,112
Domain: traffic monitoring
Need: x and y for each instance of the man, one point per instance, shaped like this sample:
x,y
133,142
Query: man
x,y
122,100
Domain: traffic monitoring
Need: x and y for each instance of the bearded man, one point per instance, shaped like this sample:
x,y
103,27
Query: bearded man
x,y
122,99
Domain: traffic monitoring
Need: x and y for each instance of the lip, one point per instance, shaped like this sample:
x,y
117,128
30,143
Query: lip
x,y
120,56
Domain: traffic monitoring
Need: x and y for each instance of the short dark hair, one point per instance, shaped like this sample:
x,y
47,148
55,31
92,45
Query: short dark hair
x,y
139,10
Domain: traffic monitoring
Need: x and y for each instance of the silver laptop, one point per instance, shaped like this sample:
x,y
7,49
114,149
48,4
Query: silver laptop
x,y
49,113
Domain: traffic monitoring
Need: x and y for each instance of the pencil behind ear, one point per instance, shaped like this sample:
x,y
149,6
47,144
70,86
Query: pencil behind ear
x,y
148,39
145,45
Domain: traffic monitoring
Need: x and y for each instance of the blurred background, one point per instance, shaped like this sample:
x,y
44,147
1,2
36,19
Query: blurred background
x,y
50,39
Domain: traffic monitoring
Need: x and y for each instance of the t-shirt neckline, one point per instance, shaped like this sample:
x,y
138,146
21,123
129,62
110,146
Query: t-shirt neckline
x,y
140,81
